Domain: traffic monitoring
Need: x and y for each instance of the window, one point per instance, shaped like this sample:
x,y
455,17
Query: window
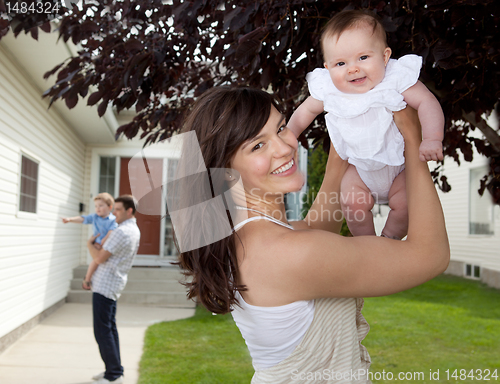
x,y
480,207
172,167
170,249
29,185
107,175
472,271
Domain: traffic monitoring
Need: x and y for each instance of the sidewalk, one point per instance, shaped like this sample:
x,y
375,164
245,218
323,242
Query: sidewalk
x,y
62,349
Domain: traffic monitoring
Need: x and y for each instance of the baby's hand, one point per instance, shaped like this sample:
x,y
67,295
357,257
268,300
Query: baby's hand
x,y
431,150
65,220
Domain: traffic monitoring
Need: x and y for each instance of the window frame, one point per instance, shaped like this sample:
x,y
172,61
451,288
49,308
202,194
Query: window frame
x,y
473,268
116,182
19,212
492,223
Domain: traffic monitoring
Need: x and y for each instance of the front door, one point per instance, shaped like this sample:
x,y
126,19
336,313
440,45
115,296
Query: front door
x,y
150,226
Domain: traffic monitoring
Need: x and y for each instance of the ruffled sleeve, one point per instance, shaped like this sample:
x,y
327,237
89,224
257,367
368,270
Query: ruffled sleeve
x,y
404,72
318,81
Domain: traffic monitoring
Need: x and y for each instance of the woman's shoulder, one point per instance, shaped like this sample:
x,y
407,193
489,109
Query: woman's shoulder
x,y
265,241
273,262
299,225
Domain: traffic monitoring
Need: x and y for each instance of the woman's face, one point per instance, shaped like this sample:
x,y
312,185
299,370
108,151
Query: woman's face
x,y
267,163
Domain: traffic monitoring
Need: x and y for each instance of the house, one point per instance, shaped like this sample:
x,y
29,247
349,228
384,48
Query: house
x,y
472,221
52,163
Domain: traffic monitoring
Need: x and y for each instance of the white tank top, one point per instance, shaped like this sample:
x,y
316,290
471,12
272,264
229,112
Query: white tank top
x,y
272,333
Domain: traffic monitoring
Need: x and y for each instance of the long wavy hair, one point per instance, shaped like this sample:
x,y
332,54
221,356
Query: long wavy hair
x,y
223,119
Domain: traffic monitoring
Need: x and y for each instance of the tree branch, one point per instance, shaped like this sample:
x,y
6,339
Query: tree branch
x,y
488,132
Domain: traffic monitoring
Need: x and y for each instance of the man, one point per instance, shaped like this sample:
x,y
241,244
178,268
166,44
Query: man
x,y
114,261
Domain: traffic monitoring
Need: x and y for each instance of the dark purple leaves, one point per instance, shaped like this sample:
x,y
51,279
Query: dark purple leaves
x,y
71,100
101,110
94,98
133,45
266,44
4,24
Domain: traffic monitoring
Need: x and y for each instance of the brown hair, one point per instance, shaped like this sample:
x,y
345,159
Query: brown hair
x,y
346,20
128,201
223,119
106,197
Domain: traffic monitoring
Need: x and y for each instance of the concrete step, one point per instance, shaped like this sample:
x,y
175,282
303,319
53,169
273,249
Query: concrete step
x,y
160,299
140,273
142,285
147,286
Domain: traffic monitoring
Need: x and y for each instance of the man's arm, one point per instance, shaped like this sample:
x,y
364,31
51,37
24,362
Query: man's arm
x,y
98,255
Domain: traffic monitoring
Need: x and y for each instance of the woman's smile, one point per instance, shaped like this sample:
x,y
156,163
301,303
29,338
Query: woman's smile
x,y
286,169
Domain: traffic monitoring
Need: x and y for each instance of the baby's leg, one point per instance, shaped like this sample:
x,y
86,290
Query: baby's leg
x,y
396,226
88,276
357,202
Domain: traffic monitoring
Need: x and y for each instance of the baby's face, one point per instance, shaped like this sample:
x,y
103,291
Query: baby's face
x,y
357,60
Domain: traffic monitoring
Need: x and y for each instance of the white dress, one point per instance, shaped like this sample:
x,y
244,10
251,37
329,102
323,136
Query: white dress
x,y
361,126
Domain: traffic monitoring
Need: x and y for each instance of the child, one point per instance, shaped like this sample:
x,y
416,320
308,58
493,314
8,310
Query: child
x,y
103,222
360,88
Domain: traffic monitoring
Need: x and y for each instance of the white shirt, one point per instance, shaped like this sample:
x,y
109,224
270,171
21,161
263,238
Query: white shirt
x,y
272,333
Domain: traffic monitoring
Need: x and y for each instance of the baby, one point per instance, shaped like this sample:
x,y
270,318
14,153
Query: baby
x,y
103,222
360,88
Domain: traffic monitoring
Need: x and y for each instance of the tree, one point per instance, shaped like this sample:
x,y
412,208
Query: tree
x,y
157,57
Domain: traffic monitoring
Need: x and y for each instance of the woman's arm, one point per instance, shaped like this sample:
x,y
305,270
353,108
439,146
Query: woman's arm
x,y
321,264
326,212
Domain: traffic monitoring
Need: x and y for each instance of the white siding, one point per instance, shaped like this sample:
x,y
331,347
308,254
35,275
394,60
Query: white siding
x,y
89,208
37,251
480,250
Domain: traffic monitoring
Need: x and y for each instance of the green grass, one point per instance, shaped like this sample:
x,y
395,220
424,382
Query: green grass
x,y
204,349
447,323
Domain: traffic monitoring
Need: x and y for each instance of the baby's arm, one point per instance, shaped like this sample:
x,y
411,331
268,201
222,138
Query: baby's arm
x,y
432,119
76,219
304,115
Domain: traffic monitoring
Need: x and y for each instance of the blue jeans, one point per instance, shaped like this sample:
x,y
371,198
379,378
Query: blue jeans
x,y
106,335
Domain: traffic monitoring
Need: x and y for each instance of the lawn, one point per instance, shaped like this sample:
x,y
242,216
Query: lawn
x,y
204,349
448,323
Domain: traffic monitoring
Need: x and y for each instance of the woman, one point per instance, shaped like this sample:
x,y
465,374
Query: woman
x,y
293,288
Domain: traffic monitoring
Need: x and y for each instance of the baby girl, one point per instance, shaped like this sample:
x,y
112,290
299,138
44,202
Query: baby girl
x,y
360,88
